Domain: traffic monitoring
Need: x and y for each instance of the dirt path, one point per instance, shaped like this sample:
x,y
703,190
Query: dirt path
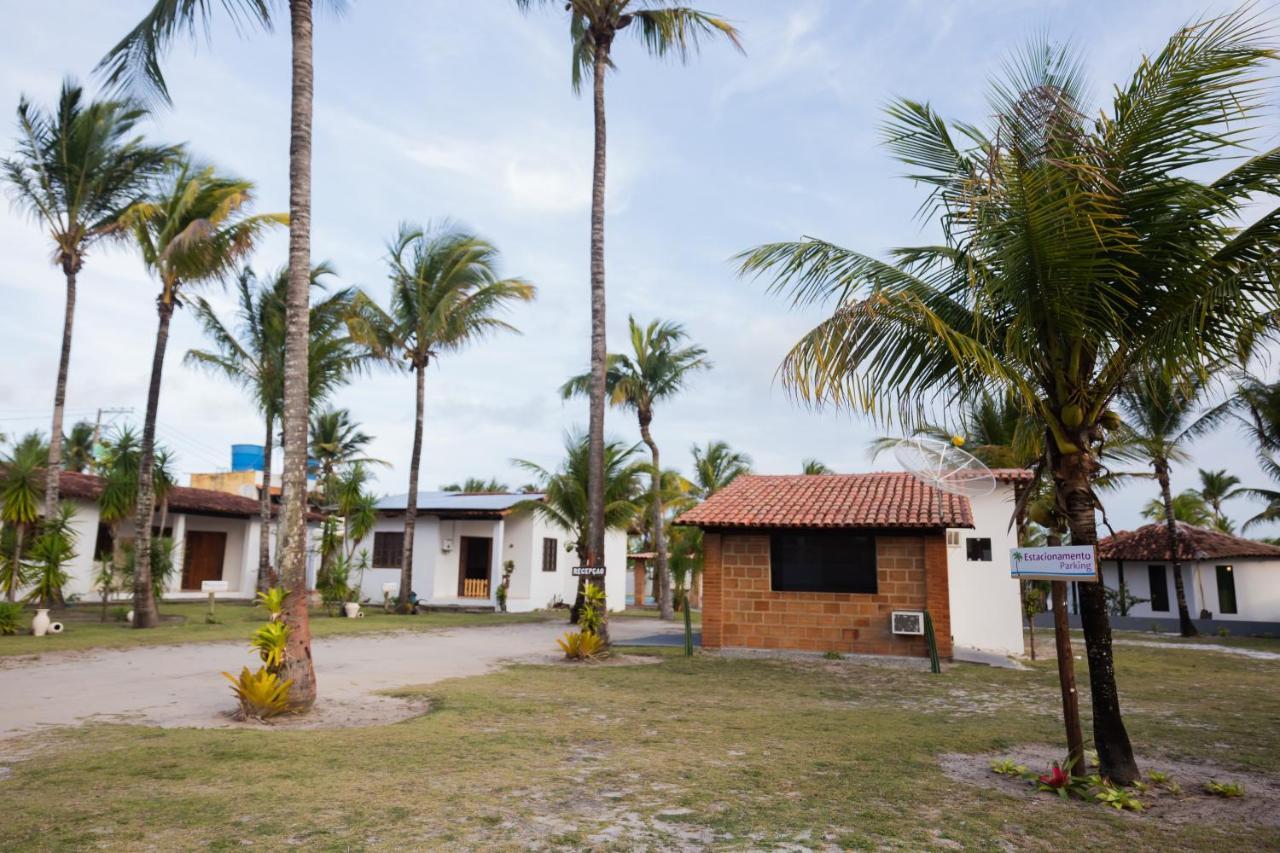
x,y
182,685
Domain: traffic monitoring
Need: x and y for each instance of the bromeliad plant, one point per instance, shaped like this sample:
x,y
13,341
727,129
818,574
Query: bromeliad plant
x,y
264,694
587,643
273,600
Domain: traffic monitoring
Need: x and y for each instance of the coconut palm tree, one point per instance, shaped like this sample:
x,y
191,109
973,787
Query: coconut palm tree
x,y
135,63
814,466
1187,507
336,440
75,171
250,352
664,30
195,230
77,447
657,369
715,466
1217,487
445,294
1076,249
1161,420
21,486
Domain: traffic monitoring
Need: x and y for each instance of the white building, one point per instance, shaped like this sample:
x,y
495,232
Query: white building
x,y
215,538
986,609
1226,578
461,542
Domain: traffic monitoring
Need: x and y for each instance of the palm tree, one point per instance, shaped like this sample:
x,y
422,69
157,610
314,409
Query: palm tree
x,y
715,466
656,370
1187,507
1216,487
564,502
1075,250
814,466
195,231
77,447
336,440
75,171
445,293
135,62
664,30
250,352
478,486
21,485
1161,422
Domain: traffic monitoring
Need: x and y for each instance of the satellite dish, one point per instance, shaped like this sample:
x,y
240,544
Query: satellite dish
x,y
945,467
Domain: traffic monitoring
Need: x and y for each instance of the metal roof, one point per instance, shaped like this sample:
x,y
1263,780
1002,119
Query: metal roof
x,y
446,502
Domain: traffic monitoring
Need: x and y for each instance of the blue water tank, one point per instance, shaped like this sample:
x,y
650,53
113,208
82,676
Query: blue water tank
x,y
246,457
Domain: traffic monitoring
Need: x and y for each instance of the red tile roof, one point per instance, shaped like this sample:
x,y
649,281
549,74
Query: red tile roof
x,y
1151,542
830,500
1013,475
181,498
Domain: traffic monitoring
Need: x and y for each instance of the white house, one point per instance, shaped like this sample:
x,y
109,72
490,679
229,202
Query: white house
x,y
215,536
986,610
461,542
1227,579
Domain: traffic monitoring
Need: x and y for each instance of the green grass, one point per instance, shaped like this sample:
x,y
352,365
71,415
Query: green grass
x,y
184,622
688,752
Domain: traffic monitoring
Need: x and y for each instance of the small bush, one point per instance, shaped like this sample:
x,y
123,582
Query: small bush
x,y
10,618
1164,780
1224,632
1224,789
581,645
261,694
1007,767
1060,781
120,614
832,655
1118,798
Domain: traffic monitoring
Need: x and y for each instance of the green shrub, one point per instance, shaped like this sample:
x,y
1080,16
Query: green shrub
x,y
832,655
10,618
581,645
261,694
1224,789
53,549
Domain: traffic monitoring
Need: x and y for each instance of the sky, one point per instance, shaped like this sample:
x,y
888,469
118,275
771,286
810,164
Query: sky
x,y
462,109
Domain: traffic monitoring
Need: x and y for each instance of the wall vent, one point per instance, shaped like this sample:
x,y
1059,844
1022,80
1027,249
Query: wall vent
x,y
908,622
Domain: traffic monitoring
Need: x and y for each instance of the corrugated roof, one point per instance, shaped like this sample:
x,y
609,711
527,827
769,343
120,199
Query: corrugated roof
x,y
448,502
830,500
1151,542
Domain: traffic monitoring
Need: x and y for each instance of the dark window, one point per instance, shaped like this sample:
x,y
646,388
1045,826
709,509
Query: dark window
x,y
978,550
549,549
102,545
1226,589
823,561
1159,586
388,550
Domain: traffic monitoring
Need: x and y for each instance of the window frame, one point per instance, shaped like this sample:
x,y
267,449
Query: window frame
x,y
550,549
376,553
1227,571
775,552
968,551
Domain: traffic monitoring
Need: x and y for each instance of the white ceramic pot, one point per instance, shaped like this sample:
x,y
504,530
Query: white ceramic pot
x,y
55,627
40,624
352,609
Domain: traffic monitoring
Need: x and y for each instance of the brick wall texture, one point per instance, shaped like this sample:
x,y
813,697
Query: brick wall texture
x,y
740,610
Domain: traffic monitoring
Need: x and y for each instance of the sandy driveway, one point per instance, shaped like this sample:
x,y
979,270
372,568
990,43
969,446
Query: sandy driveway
x,y
182,685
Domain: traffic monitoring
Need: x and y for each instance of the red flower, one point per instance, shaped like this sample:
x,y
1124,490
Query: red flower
x,y
1057,778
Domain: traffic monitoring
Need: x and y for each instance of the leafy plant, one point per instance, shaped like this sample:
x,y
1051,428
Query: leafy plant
x,y
273,600
53,549
1224,789
120,614
1060,781
1164,780
591,619
581,645
832,655
269,642
261,694
1118,798
10,616
162,565
508,568
1008,767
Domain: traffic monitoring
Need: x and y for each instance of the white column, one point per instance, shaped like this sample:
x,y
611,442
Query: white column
x,y
497,558
179,551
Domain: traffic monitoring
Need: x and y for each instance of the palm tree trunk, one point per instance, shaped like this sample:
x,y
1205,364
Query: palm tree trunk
x,y
53,469
266,577
1066,669
595,428
1185,625
411,502
1073,474
661,576
297,664
145,614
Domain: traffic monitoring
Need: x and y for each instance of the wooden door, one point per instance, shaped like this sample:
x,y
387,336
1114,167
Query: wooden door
x,y
475,562
202,557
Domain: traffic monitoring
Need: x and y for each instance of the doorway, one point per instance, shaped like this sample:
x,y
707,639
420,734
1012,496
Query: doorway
x,y
202,557
475,564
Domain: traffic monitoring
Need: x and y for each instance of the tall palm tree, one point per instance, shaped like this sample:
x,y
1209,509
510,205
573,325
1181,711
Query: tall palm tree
x,y
135,63
1187,507
194,231
564,489
250,352
1160,416
75,171
1216,487
814,466
445,293
1075,250
716,465
664,30
21,487
657,369
77,447
336,440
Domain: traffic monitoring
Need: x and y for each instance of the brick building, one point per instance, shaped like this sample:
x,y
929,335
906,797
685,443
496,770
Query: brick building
x,y
821,562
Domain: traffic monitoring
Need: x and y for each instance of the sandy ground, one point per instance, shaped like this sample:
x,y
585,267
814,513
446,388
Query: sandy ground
x,y
182,685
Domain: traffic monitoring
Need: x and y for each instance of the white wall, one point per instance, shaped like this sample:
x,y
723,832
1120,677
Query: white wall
x,y
985,606
1257,584
82,569
1137,580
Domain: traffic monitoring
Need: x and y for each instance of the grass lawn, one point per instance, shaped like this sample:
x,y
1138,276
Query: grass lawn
x,y
687,752
236,621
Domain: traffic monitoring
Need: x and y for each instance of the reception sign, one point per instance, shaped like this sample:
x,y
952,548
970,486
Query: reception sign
x,y
1061,563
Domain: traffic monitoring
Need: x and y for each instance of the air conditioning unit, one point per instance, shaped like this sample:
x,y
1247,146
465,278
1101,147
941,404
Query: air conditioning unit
x,y
907,622
953,538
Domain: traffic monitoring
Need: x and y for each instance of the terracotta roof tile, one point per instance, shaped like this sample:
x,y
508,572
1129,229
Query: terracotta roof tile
x,y
830,500
182,499
1151,542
